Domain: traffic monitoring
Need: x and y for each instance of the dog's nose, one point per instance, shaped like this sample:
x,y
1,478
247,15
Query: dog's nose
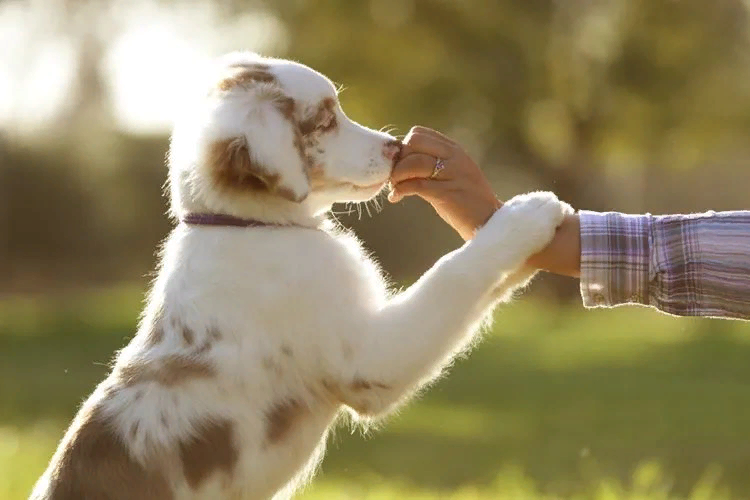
x,y
392,150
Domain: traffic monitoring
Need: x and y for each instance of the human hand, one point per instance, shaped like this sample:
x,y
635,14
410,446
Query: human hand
x,y
462,196
459,193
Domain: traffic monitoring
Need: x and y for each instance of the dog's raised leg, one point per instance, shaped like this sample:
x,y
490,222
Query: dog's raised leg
x,y
409,341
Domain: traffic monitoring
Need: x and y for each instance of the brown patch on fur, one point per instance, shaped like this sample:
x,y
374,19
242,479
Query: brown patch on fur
x,y
258,66
360,384
169,371
93,462
203,348
281,417
286,351
187,335
211,450
324,112
214,334
232,168
155,335
272,366
245,75
286,106
299,145
323,121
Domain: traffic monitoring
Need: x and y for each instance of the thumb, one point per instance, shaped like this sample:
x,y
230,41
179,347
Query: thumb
x,y
424,188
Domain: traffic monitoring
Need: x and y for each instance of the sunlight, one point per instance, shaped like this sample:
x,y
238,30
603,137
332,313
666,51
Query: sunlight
x,y
38,72
155,55
148,68
164,53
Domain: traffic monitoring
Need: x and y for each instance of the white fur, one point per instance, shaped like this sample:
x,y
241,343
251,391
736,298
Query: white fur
x,y
311,291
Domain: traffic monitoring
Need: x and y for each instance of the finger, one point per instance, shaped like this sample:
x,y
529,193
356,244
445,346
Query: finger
x,y
418,129
413,166
427,144
425,188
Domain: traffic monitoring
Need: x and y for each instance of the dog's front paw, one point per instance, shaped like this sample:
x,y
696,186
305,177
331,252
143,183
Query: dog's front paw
x,y
534,218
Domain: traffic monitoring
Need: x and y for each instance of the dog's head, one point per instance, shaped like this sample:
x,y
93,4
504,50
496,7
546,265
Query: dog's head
x,y
271,134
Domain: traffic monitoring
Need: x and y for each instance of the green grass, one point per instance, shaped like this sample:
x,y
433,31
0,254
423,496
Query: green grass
x,y
555,403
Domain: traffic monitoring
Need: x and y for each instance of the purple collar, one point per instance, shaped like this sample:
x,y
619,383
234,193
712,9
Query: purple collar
x,y
209,219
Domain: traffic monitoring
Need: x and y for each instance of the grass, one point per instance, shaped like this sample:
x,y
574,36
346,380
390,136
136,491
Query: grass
x,y
555,403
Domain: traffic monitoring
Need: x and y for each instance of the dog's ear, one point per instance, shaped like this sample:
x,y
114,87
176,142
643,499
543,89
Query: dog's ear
x,y
268,156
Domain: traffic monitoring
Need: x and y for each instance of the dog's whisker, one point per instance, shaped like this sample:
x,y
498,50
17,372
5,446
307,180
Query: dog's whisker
x,y
336,219
349,208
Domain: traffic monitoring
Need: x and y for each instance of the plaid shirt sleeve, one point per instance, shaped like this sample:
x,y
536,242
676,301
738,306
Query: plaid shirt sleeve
x,y
685,265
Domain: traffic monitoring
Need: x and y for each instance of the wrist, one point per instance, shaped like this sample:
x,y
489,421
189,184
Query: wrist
x,y
492,207
563,254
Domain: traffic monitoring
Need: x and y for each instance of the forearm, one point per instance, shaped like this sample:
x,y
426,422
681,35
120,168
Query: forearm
x,y
687,265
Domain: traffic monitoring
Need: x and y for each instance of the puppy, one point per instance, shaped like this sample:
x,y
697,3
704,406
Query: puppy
x,y
266,321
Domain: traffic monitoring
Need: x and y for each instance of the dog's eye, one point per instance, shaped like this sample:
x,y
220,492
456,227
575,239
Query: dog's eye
x,y
328,123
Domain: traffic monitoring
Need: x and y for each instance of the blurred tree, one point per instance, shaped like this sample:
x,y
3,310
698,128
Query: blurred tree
x,y
558,88
588,98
